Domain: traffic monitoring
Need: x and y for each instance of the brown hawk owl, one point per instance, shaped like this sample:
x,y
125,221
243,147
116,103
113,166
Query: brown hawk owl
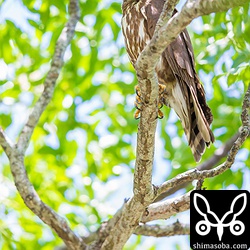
x,y
175,70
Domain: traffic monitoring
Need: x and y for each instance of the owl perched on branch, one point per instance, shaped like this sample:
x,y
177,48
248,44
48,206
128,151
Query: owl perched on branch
x,y
178,81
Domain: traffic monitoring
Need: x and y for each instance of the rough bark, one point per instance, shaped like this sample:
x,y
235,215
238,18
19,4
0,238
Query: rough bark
x,y
144,194
176,228
16,152
140,208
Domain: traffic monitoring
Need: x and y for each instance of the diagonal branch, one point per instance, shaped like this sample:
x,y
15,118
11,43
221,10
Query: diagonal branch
x,y
176,228
166,209
6,143
169,31
218,155
52,76
245,117
16,152
195,174
166,13
36,205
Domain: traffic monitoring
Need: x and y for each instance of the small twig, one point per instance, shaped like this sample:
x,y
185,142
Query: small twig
x,y
218,155
176,228
195,174
245,110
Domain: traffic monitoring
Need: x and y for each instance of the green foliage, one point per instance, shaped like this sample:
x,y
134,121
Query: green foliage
x,y
82,153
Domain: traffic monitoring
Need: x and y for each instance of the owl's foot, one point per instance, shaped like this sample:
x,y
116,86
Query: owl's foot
x,y
138,102
162,90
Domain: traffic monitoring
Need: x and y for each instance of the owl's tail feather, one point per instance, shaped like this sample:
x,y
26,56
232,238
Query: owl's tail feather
x,y
193,114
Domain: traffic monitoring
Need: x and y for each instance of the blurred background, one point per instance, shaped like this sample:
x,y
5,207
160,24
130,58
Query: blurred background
x,y
82,154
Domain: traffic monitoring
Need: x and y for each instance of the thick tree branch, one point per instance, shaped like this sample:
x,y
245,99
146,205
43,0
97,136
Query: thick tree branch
x,y
144,193
125,224
35,204
176,228
168,208
143,189
165,209
16,152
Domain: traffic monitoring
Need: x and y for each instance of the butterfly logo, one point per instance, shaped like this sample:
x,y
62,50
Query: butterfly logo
x,y
229,219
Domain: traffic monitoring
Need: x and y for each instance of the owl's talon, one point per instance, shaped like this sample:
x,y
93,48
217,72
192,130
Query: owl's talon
x,y
137,114
162,89
138,90
138,102
160,105
160,114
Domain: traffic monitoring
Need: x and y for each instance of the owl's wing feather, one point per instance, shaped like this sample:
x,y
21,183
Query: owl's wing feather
x,y
188,96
